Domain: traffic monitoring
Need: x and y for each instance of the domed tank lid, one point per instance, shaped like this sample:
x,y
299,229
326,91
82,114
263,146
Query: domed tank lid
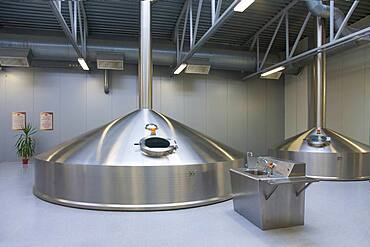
x,y
159,140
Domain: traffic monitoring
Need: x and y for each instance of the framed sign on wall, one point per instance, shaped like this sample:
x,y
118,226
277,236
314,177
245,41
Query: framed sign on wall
x,y
46,121
18,120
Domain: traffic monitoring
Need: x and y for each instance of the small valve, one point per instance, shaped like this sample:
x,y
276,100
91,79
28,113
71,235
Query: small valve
x,y
271,167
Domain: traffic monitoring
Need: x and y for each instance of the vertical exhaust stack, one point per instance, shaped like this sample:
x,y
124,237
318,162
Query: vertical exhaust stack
x,y
142,161
328,155
145,59
319,77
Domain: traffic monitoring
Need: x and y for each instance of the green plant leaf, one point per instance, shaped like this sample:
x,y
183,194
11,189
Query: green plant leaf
x,y
25,144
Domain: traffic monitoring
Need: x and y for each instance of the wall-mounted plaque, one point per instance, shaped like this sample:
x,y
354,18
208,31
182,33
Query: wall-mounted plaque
x,y
18,120
46,121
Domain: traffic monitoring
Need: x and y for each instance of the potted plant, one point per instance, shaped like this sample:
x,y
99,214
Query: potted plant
x,y
25,144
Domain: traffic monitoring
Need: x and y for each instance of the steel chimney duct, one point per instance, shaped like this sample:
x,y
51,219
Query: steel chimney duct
x,y
145,60
142,161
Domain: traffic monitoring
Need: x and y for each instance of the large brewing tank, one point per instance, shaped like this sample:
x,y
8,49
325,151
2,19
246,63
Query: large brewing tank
x,y
119,167
143,161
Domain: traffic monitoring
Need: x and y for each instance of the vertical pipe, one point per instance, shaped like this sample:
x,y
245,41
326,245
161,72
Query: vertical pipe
x,y
331,20
213,11
177,45
319,75
75,20
106,81
323,114
145,63
258,54
191,23
287,35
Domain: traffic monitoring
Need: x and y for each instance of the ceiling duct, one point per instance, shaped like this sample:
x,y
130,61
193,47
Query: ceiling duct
x,y
318,9
15,57
142,161
198,66
328,154
56,48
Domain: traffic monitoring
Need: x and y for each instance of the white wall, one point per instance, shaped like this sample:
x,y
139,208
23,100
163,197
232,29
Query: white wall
x,y
348,96
76,98
245,115
296,103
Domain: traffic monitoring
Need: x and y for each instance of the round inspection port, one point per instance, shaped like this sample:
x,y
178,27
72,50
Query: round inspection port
x,y
155,146
157,142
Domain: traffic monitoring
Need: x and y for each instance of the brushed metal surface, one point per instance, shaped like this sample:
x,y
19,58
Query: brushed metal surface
x,y
103,169
282,208
343,159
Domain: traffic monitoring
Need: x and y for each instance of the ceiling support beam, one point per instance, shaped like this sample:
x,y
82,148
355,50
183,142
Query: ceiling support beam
x,y
218,9
344,23
272,41
196,45
70,35
269,23
83,12
200,4
299,36
325,47
334,40
84,26
183,10
213,11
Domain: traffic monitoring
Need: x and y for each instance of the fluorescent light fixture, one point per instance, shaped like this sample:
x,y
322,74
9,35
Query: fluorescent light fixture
x,y
83,63
273,71
180,68
243,5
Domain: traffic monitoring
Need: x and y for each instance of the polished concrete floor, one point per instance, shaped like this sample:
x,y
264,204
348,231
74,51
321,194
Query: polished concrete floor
x,y
337,214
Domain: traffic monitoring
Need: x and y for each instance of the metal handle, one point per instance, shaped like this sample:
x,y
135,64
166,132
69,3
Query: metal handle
x,y
292,180
151,124
307,182
152,127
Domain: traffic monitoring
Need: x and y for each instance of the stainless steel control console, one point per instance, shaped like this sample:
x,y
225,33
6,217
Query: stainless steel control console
x,y
271,195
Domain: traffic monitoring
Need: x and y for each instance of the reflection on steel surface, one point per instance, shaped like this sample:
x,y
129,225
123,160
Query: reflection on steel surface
x,y
103,169
342,159
272,194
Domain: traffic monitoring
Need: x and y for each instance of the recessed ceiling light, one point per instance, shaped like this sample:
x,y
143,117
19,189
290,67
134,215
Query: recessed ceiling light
x,y
180,68
243,5
83,63
273,71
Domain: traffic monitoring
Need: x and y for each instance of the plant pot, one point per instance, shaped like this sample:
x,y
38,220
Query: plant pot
x,y
25,161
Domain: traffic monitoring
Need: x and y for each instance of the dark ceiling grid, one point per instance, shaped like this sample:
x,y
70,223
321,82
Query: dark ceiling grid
x,y
121,18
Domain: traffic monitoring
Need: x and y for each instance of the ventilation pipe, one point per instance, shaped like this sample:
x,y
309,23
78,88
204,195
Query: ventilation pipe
x,y
106,81
319,77
145,60
57,48
318,9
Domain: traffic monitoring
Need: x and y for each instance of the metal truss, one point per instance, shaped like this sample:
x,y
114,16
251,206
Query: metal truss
x,y
78,20
334,40
217,20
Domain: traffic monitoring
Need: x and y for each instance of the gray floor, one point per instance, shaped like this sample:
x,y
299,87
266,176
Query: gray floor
x,y
337,214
